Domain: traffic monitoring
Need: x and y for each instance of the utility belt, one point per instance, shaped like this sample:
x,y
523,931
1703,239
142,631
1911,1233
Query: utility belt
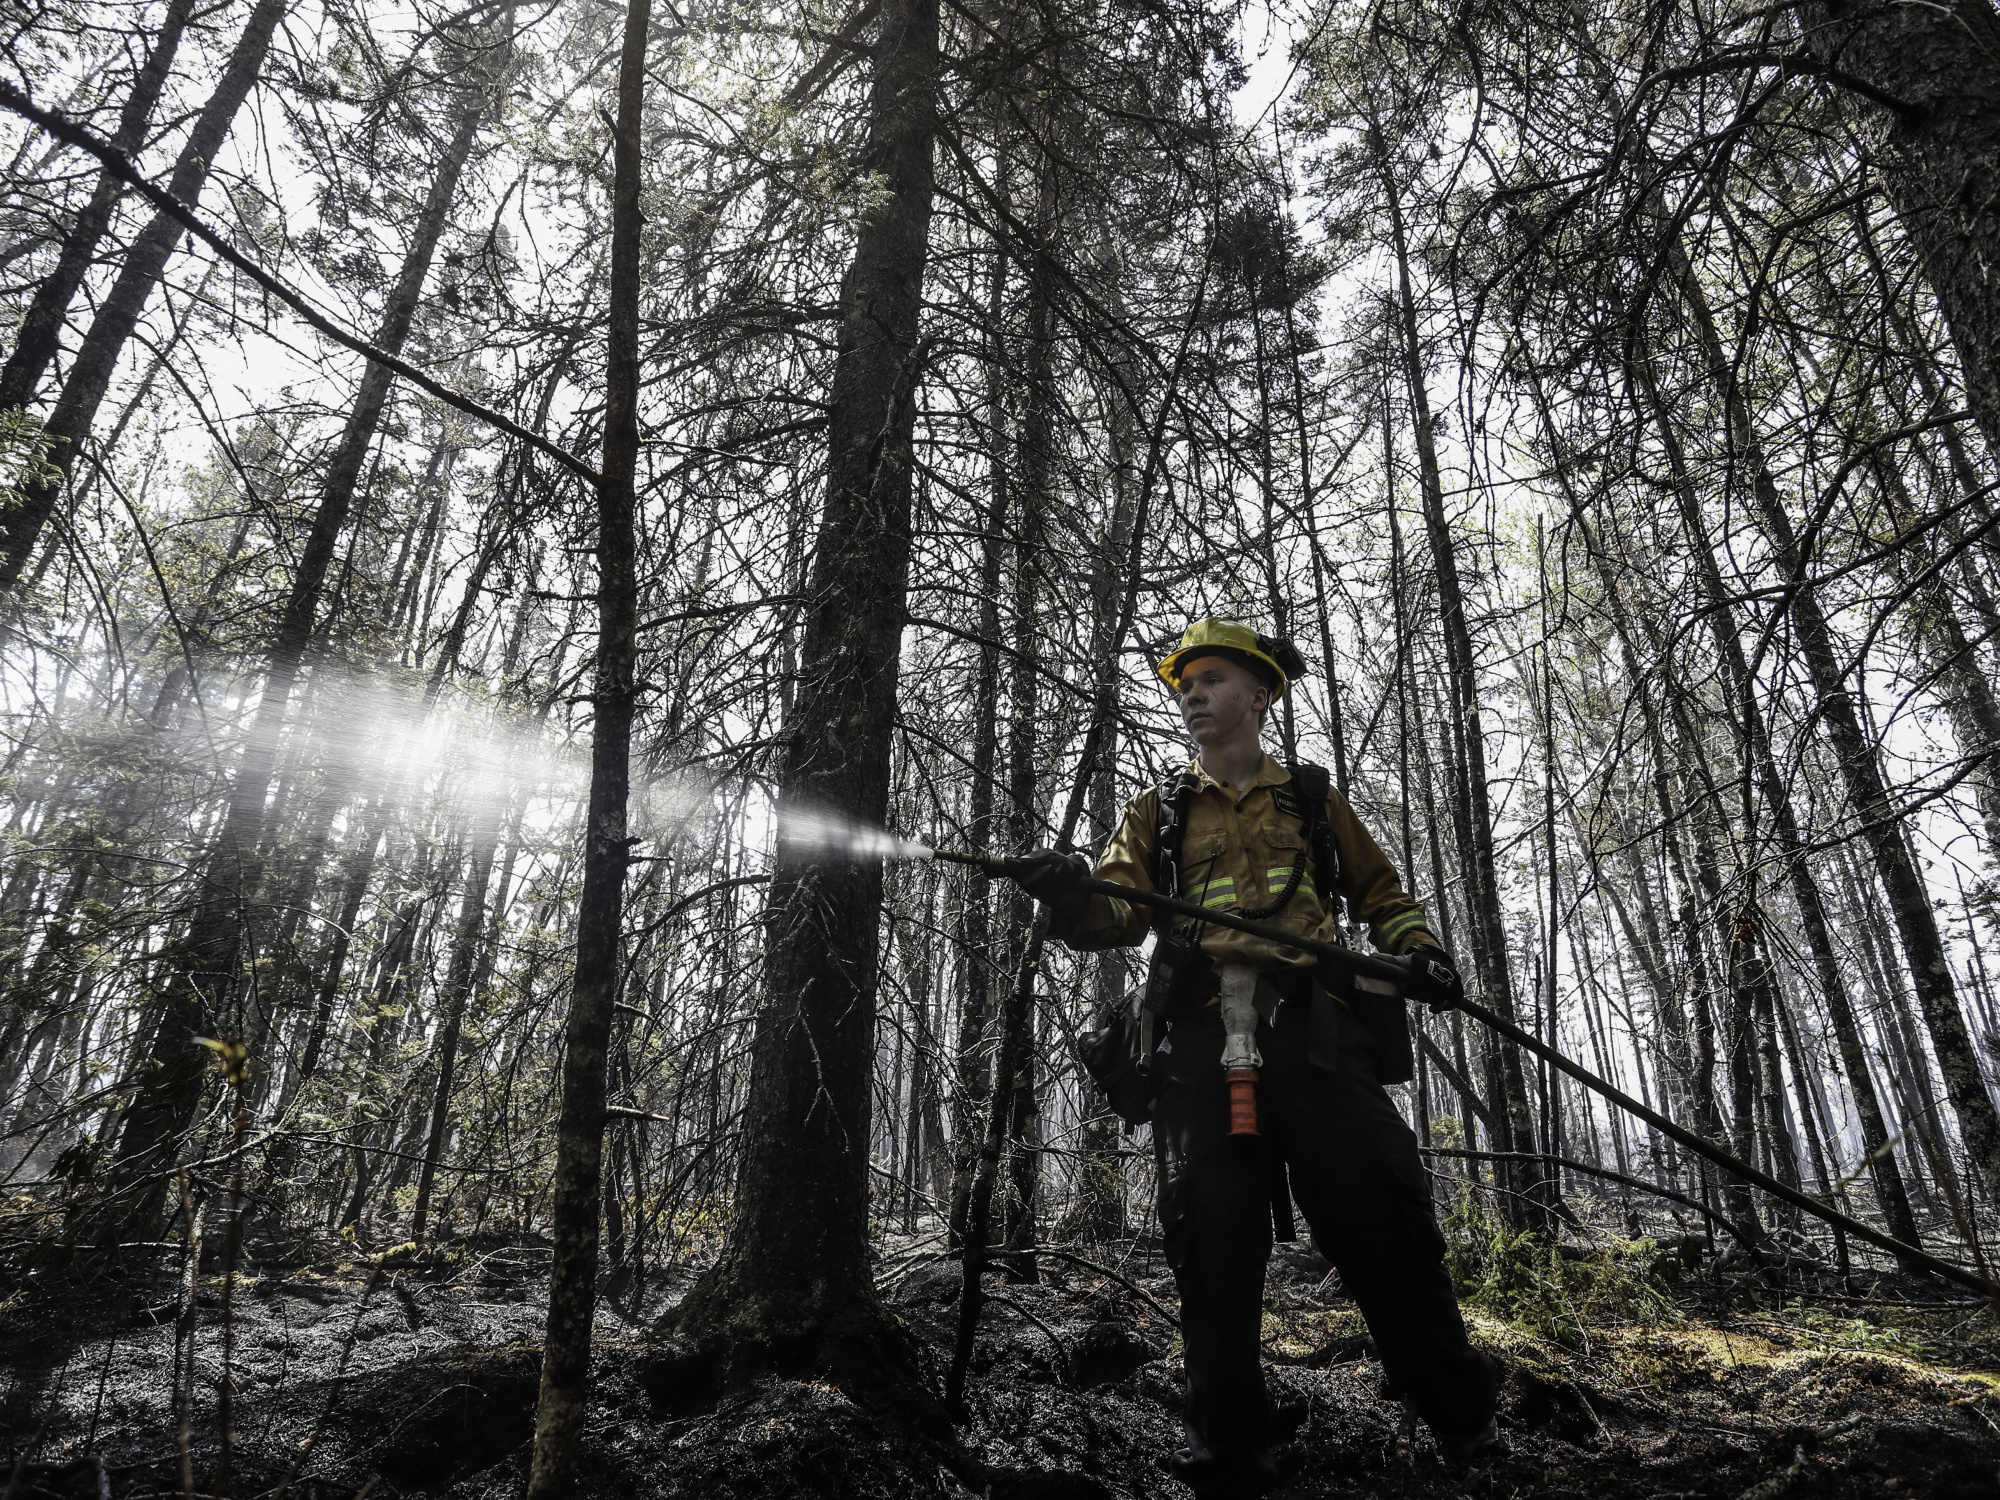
x,y
1118,1050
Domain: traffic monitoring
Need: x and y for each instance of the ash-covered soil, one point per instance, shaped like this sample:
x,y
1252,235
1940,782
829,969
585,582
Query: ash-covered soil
x,y
420,1379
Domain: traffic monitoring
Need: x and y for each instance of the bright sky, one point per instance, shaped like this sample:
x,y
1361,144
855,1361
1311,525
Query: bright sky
x,y
1267,51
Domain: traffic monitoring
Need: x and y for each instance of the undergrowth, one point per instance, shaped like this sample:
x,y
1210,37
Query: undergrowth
x,y
1555,1291
1621,1308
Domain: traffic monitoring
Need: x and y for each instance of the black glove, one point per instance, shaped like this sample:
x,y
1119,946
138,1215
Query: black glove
x,y
1434,979
1049,875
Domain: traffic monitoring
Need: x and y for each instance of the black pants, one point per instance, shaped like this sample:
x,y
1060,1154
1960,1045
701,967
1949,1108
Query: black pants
x,y
1358,1181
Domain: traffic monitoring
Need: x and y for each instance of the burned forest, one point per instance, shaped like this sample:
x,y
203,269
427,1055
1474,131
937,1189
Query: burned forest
x,y
600,891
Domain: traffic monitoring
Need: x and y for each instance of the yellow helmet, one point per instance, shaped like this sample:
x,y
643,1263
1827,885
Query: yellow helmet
x,y
1277,662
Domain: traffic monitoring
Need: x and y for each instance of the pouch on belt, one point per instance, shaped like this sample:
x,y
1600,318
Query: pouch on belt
x,y
1377,1004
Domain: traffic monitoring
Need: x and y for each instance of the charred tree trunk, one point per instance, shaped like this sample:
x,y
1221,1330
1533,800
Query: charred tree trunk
x,y
577,1195
974,1066
792,1286
1470,806
578,1189
1035,445
1099,1212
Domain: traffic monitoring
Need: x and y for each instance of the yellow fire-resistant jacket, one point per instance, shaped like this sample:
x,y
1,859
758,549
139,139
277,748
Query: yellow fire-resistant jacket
x,y
1237,853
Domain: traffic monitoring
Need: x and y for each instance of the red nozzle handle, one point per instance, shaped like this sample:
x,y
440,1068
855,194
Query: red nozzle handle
x,y
1242,1100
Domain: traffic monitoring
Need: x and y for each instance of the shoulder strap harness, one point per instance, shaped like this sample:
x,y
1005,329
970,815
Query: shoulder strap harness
x,y
1302,799
1312,784
1176,797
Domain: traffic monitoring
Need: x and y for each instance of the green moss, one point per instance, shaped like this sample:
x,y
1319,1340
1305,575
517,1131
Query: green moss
x,y
1554,1291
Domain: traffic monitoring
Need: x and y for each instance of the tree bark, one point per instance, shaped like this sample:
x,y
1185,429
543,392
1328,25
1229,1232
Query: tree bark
x,y
1035,446
977,1002
1099,1212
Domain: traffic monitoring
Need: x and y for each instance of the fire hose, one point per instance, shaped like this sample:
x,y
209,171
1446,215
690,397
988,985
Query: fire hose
x,y
1397,970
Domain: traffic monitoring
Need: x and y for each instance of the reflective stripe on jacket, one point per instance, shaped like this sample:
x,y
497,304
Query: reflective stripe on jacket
x,y
1237,854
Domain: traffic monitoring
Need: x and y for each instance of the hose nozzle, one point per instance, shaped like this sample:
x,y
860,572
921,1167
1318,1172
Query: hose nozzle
x,y
1240,1058
991,864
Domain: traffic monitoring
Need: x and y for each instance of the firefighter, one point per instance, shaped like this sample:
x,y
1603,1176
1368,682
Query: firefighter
x,y
1239,831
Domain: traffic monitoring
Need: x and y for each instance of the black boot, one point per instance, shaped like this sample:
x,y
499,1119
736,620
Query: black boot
x,y
1477,1449
1243,1478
